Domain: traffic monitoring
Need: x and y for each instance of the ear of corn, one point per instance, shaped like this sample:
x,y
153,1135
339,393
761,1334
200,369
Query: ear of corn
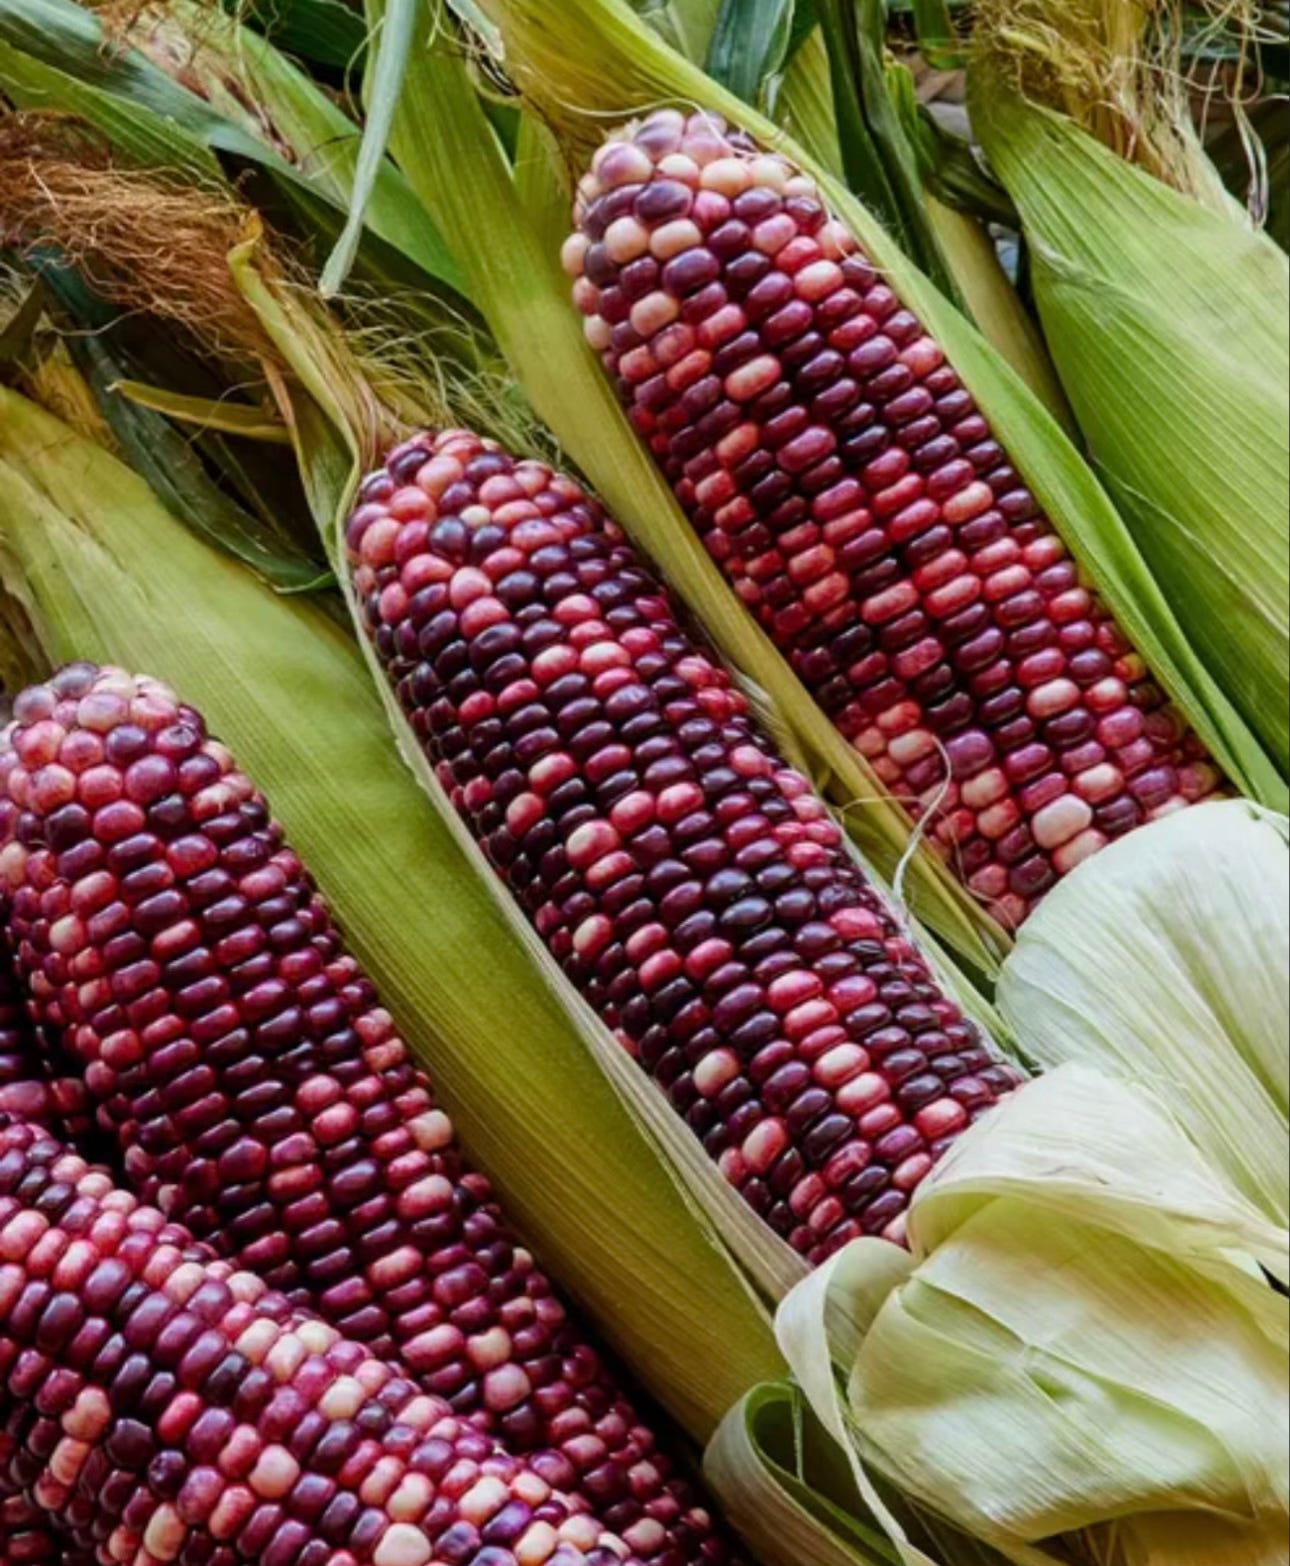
x,y
1202,1020
106,572
686,880
165,1406
586,59
1167,320
836,468
256,1091
1078,1252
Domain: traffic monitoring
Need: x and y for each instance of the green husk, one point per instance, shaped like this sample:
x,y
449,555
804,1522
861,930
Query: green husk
x,y
1196,1005
105,572
1168,318
1079,1359
586,62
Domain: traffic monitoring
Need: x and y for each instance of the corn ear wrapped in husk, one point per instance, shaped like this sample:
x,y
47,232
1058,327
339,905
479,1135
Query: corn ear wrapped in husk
x,y
585,61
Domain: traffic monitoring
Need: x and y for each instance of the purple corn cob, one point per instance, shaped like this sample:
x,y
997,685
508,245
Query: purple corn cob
x,y
167,1408
690,883
841,476
179,954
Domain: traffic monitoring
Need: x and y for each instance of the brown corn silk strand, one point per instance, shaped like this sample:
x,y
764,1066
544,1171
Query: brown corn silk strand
x,y
178,951
841,476
166,1407
690,883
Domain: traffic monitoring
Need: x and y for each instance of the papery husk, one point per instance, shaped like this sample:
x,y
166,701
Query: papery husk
x,y
105,573
1080,1359
1165,960
588,65
1168,319
762,1466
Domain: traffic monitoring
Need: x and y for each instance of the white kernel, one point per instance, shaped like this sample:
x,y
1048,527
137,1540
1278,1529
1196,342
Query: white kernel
x,y
274,1474
342,1399
677,166
402,1546
649,315
770,172
432,1131
285,1356
537,1544
412,1499
728,176
258,1340
165,1533
488,1350
317,1336
1085,845
482,1502
670,239
1060,821
717,1069
626,239
573,253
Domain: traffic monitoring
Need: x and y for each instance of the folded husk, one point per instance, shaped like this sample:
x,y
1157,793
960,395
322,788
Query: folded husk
x,y
1166,961
1079,1359
761,1465
1169,322
589,63
106,573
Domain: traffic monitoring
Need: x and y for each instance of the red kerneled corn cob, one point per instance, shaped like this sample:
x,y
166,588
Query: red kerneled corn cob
x,y
842,477
262,1097
166,1407
690,883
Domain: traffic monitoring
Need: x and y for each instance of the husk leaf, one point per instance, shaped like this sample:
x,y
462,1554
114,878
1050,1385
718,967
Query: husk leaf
x,y
1166,961
756,1466
187,82
1078,1360
591,63
1169,323
106,573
